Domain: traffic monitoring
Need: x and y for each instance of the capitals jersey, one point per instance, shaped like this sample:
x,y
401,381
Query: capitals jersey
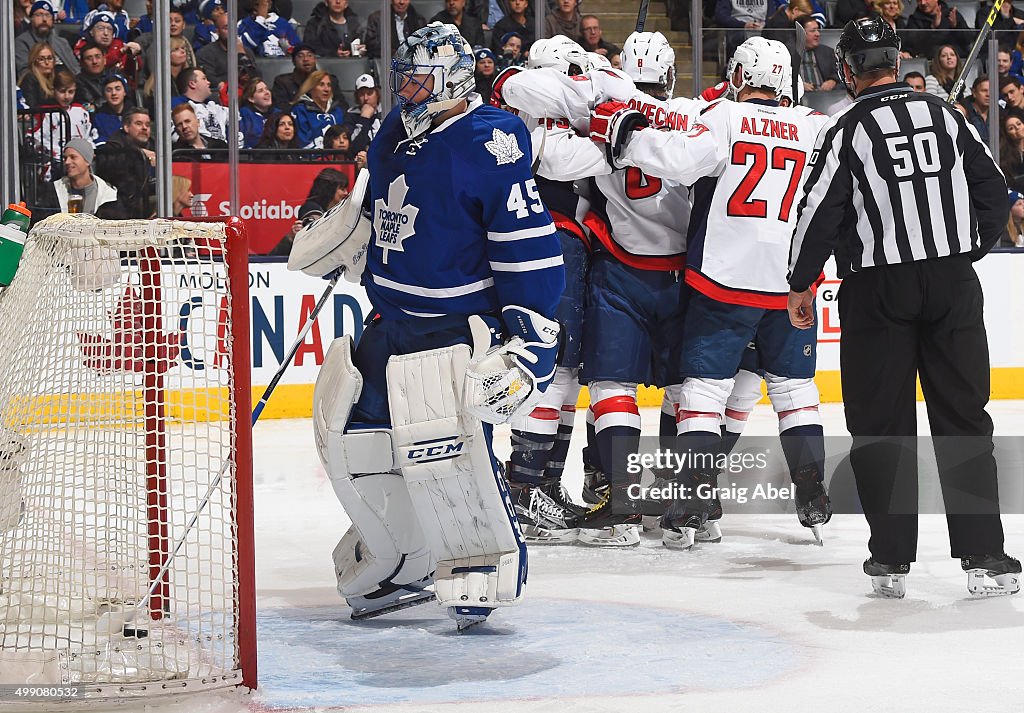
x,y
745,162
458,223
641,219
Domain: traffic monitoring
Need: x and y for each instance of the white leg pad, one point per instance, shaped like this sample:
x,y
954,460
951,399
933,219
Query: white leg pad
x,y
385,543
462,503
795,400
705,399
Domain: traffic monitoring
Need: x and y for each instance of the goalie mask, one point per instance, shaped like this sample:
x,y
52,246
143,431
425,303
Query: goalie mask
x,y
433,67
561,53
648,59
762,64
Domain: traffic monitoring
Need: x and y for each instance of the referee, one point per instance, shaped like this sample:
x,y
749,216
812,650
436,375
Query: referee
x,y
917,198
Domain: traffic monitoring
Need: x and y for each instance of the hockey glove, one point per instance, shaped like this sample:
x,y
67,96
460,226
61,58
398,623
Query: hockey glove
x,y
338,239
716,92
499,81
611,124
504,380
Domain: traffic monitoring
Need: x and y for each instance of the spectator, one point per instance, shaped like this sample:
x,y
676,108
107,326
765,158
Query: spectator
x,y
316,110
41,31
331,28
338,138
1011,149
37,82
1003,62
511,51
257,104
470,27
22,9
563,20
109,117
847,10
121,57
279,132
181,189
91,76
286,86
181,57
405,20
363,119
486,66
64,90
195,90
782,23
283,8
1014,236
1012,89
740,14
592,38
329,189
977,108
934,15
489,12
206,30
213,58
136,132
818,68
892,12
79,181
188,128
119,16
915,80
176,29
616,60
265,33
1009,18
944,69
519,19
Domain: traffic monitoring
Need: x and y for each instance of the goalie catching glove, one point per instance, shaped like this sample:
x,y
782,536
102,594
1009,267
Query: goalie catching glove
x,y
506,380
611,123
338,239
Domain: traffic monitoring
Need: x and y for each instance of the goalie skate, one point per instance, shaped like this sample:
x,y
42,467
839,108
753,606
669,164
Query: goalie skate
x,y
991,575
390,598
887,580
467,617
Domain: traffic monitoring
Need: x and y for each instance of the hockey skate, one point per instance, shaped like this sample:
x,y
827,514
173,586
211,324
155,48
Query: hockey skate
x,y
595,485
542,518
813,506
391,598
991,575
711,531
683,519
601,527
466,617
888,580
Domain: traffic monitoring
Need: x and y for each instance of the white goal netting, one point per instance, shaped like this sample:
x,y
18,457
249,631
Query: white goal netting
x,y
121,370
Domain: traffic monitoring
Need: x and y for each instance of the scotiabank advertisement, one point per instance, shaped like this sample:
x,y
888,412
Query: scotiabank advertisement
x,y
270,194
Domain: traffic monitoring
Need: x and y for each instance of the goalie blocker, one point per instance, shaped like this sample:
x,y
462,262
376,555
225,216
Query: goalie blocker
x,y
338,239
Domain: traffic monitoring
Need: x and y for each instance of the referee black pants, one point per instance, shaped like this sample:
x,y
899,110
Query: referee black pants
x,y
899,322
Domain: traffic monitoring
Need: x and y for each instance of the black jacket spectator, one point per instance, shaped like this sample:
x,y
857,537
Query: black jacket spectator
x,y
213,58
506,25
286,88
470,28
33,93
413,21
847,10
323,35
924,43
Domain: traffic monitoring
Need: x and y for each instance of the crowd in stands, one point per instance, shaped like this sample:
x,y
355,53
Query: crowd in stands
x,y
84,68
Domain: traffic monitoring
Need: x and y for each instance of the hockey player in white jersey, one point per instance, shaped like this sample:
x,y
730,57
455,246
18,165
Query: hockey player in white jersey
x,y
461,250
635,300
744,160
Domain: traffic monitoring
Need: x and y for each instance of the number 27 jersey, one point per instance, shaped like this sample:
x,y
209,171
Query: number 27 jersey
x,y
745,161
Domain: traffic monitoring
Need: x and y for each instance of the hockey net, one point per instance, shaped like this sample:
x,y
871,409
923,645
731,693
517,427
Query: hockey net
x,y
124,395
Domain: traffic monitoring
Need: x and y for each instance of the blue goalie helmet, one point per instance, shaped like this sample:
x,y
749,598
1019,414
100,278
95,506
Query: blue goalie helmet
x,y
431,73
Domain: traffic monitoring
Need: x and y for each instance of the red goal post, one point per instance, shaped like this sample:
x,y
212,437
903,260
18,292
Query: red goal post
x,y
126,396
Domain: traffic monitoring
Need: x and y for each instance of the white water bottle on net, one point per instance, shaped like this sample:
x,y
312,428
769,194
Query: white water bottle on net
x,y
124,416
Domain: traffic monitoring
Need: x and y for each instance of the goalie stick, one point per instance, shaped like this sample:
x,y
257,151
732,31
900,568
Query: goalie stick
x,y
111,621
961,81
641,16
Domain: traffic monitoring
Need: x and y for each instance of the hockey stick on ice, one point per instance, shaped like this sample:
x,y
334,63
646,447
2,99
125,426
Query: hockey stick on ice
x,y
961,81
641,16
117,620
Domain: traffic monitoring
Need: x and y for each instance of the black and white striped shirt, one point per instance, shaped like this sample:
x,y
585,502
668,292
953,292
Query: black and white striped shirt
x,y
900,176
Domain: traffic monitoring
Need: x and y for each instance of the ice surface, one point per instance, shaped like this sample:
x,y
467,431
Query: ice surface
x,y
763,621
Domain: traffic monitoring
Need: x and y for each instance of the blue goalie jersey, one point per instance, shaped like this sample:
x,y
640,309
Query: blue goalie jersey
x,y
458,224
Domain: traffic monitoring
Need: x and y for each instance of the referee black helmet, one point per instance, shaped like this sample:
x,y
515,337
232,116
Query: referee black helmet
x,y
867,45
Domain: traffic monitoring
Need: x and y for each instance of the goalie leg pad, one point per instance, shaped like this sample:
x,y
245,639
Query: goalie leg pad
x,y
385,544
463,505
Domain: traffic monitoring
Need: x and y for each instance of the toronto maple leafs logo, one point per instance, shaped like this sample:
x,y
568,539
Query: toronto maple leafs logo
x,y
393,220
503,147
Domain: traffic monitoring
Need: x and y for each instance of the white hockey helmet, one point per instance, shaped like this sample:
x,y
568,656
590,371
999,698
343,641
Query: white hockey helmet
x,y
438,60
648,58
558,52
597,61
762,65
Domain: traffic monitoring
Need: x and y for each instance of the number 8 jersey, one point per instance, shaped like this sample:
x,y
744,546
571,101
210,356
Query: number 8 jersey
x,y
745,161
